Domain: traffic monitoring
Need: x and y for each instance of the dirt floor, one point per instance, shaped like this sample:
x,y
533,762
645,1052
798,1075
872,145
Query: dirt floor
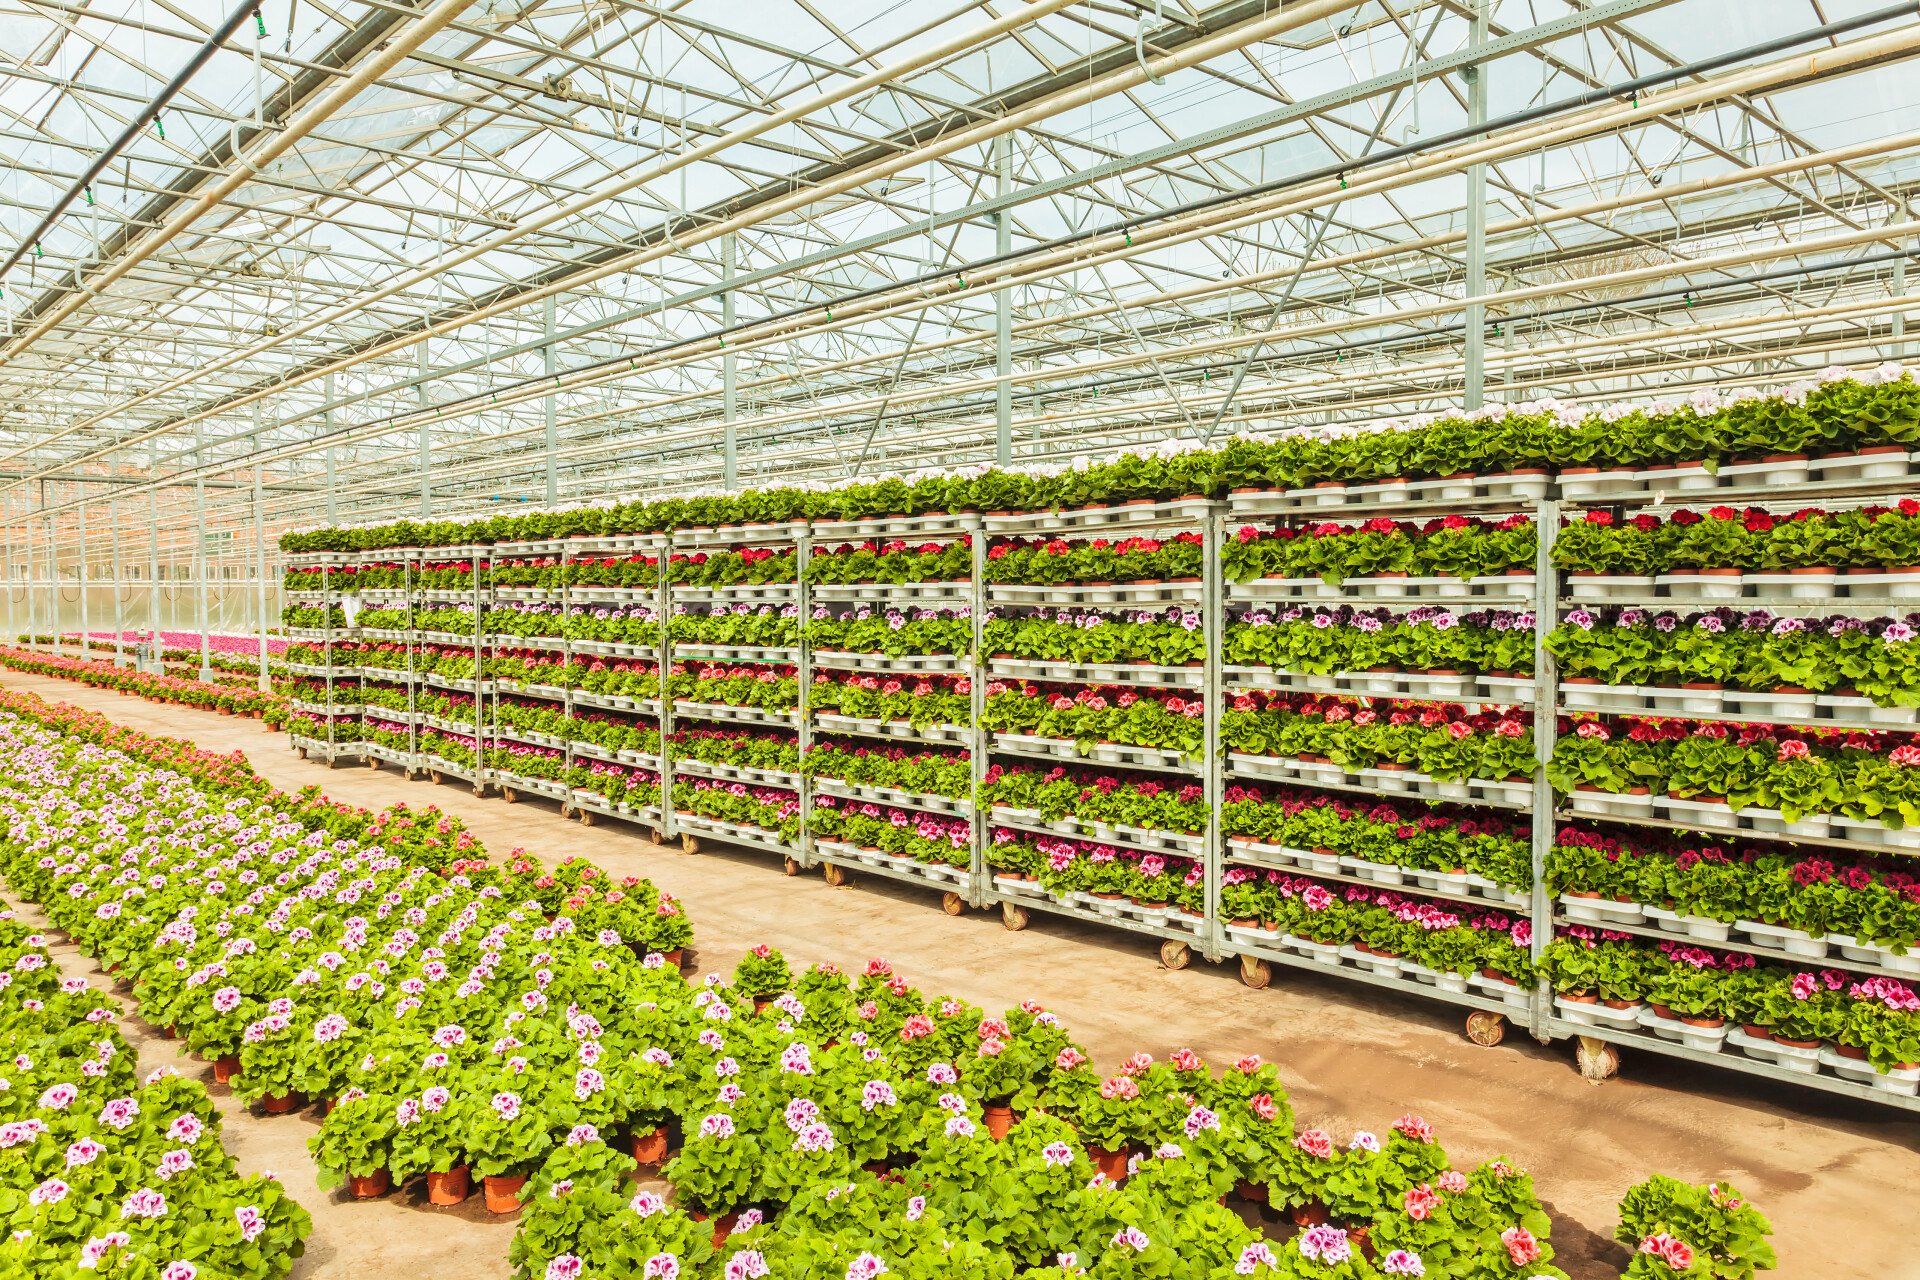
x,y
1822,1167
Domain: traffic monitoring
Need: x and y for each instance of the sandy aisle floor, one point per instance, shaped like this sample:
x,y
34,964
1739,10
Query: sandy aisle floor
x,y
1821,1167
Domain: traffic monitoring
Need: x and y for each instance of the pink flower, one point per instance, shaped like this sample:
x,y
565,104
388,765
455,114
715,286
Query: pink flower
x,y
1453,1182
1413,1127
1324,1243
565,1267
1315,1143
1420,1201
1131,1238
1522,1248
144,1203
179,1270
1263,1106
1676,1253
661,1266
1402,1263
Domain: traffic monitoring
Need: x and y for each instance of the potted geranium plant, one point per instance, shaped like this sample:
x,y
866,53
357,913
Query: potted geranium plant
x,y
761,975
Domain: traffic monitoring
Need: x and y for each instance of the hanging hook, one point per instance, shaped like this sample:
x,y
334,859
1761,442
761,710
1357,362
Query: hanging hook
x,y
1140,41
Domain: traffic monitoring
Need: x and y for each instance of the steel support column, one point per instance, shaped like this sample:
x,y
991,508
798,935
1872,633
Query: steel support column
x,y
260,579
200,562
1476,285
1002,306
1899,351
153,550
80,573
326,430
550,405
53,572
119,585
426,440
729,370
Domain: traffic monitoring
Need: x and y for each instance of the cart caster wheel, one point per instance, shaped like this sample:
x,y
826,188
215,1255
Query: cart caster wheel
x,y
1486,1028
834,875
1255,972
1175,955
332,762
566,810
588,817
1013,916
509,795
953,904
433,777
479,789
1597,1059
791,866
658,836
301,752
373,764
689,843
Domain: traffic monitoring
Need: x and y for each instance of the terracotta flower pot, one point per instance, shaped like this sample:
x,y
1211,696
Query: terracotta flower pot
x,y
1757,1031
760,1003
1310,1214
502,1191
674,958
449,1188
1703,1021
650,1148
1786,1043
1251,1192
722,1225
999,1120
369,1186
1111,1163
282,1104
225,1069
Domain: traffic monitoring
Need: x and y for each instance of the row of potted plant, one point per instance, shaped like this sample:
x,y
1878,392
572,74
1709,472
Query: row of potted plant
x,y
1095,796
892,561
1797,773
1163,638
1751,649
1839,414
1446,546
924,837
1091,715
773,810
1328,639
893,630
105,1170
1094,561
916,771
1066,866
1812,539
1414,837
227,699
1443,938
1872,1020
1858,898
1445,741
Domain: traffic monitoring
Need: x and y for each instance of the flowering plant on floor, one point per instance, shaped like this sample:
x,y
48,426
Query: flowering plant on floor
x,y
104,1172
1713,1223
1446,546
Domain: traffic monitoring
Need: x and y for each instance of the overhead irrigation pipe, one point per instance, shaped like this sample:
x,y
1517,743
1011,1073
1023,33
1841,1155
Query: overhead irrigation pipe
x,y
897,70
1329,182
402,43
141,119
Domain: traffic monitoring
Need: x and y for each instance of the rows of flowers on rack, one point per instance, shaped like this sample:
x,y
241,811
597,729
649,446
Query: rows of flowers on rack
x,y
1445,741
1810,542
1339,638
1831,421
1752,649
100,674
102,1170
1804,781
1869,1024
1332,551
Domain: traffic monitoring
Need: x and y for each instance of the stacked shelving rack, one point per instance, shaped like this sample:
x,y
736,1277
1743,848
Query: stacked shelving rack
x,y
801,734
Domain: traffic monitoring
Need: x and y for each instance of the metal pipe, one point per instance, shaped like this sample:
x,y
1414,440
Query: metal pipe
x,y
134,128
1476,211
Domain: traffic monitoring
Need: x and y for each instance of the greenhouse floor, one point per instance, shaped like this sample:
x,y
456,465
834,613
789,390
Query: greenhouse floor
x,y
1353,1057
